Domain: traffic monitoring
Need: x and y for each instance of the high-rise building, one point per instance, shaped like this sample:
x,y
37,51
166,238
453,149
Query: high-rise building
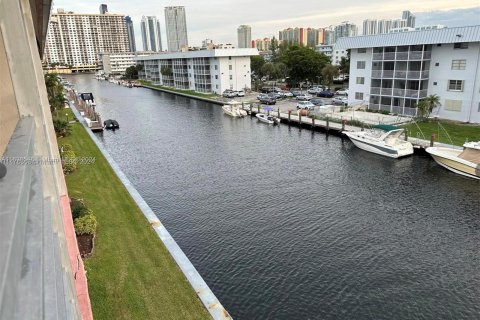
x,y
77,39
176,26
262,44
346,29
103,9
297,36
384,26
329,36
131,34
244,34
399,23
207,43
369,27
409,17
151,37
315,37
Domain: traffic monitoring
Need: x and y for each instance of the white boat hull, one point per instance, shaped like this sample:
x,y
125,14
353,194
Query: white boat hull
x,y
379,148
234,112
263,118
448,158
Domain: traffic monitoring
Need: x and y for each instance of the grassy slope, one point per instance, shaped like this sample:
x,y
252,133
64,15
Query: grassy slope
x,y
131,275
189,92
458,132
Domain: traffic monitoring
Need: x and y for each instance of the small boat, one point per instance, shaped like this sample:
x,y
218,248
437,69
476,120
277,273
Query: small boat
x,y
111,124
383,140
464,161
233,109
267,119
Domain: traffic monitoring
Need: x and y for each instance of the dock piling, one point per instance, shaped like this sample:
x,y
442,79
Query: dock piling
x,y
289,114
313,123
328,125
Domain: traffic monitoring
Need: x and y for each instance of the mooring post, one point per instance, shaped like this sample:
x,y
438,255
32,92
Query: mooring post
x,y
432,139
313,123
363,127
406,134
289,114
258,108
251,108
328,125
343,125
278,111
300,120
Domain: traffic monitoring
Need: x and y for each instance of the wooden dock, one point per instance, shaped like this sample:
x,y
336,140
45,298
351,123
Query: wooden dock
x,y
88,111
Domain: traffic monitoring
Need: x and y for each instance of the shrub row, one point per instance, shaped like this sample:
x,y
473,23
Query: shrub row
x,y
83,218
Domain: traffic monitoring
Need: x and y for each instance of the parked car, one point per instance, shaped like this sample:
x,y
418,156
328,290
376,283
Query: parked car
x,y
315,90
229,93
286,94
340,100
296,92
342,92
305,105
317,102
304,97
268,100
262,96
240,93
325,94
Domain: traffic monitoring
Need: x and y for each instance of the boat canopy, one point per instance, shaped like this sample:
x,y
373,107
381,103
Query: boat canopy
x,y
386,127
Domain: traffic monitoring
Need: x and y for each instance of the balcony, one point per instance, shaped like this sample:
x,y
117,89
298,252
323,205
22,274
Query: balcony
x,y
389,56
402,55
401,74
377,56
375,90
398,92
386,91
387,74
377,74
385,107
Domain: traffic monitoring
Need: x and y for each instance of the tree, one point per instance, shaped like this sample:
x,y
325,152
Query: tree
x,y
303,63
328,73
54,92
345,65
256,64
131,72
426,106
166,71
274,49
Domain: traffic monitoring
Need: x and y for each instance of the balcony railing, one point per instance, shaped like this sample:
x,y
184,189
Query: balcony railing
x,y
386,91
410,93
398,92
373,106
389,56
402,74
385,107
374,90
377,56
387,73
377,74
402,55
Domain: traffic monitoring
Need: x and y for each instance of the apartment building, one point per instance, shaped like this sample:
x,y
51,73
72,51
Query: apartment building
x,y
117,63
244,36
77,39
296,36
262,44
394,71
203,71
176,26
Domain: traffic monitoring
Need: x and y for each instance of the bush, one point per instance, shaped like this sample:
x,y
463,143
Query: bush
x,y
66,147
79,208
61,126
86,224
69,161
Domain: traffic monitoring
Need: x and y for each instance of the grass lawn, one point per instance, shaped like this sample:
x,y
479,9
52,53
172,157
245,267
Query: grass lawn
x,y
189,92
458,132
130,275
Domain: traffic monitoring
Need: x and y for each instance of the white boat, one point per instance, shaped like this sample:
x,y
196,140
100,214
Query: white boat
x,y
233,109
464,161
382,140
266,119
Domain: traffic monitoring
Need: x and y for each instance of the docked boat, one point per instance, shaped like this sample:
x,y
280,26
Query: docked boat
x,y
266,119
383,140
464,161
111,124
232,109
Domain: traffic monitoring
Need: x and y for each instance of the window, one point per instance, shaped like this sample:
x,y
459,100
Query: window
x,y
216,76
360,64
453,105
460,45
229,58
459,64
230,67
435,83
358,95
216,67
231,77
360,80
455,85
437,64
362,50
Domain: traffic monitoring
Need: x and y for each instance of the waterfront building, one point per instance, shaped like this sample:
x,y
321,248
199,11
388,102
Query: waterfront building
x,y
369,27
345,29
244,35
117,63
103,9
409,18
131,34
77,39
176,26
392,72
203,71
151,36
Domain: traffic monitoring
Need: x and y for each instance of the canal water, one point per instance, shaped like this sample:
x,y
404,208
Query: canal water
x,y
284,223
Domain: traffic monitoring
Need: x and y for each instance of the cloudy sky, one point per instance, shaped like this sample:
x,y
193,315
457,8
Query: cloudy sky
x,y
219,19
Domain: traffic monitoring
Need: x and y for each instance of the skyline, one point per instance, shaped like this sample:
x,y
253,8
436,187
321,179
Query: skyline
x,y
203,23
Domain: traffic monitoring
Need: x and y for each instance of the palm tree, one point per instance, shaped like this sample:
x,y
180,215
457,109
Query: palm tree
x,y
432,101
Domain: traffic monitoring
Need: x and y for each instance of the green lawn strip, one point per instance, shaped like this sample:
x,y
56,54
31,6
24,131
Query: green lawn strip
x,y
189,92
458,132
131,275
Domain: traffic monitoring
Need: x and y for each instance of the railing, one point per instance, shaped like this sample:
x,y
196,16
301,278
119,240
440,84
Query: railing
x,y
378,56
402,55
415,55
386,91
389,56
402,74
387,73
398,92
423,93
373,106
413,74
397,109
376,73
374,90
410,111
425,74
385,107
410,93
427,55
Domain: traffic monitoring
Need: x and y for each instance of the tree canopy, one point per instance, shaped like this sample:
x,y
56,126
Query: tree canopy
x,y
303,63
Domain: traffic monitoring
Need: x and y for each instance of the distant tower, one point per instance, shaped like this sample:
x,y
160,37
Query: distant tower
x,y
345,29
131,34
244,34
369,27
176,25
409,17
103,9
151,37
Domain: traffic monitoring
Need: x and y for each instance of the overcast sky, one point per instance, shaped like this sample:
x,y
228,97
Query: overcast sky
x,y
218,19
